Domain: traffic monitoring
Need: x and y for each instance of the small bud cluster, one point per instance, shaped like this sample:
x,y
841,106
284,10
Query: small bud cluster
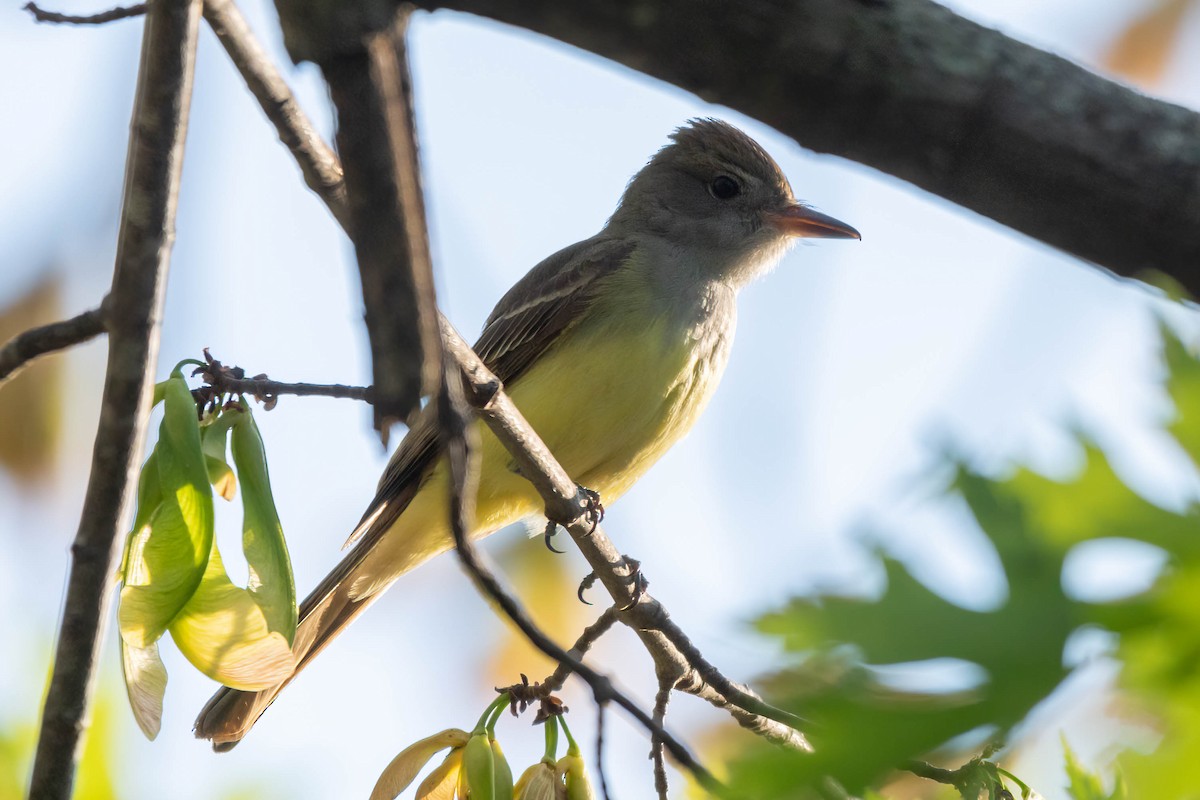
x,y
476,769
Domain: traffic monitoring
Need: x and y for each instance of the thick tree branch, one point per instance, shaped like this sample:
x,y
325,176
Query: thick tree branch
x,y
28,345
133,312
908,87
371,89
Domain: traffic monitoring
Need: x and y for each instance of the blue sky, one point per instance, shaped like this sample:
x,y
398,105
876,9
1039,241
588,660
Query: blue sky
x,y
856,366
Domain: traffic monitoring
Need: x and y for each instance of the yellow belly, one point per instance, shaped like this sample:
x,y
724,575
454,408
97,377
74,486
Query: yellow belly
x,y
608,400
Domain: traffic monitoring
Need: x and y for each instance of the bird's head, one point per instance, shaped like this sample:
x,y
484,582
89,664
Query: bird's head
x,y
721,202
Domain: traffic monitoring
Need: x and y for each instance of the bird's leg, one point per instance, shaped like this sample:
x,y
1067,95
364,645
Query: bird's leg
x,y
635,578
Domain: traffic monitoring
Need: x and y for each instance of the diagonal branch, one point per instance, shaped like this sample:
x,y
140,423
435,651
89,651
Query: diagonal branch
x,y
36,342
134,308
455,429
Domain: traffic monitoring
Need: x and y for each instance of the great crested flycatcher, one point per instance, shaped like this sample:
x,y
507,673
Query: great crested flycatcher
x,y
610,347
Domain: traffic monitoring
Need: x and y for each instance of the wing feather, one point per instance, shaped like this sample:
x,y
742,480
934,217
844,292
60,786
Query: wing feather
x,y
531,316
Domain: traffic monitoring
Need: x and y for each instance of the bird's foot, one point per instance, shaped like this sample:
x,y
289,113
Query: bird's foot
x,y
593,512
593,509
635,578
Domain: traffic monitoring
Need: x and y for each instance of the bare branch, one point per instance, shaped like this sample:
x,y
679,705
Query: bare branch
x,y
319,165
591,634
265,390
661,701
133,314
909,87
601,708
220,380
567,504
29,345
112,15
372,89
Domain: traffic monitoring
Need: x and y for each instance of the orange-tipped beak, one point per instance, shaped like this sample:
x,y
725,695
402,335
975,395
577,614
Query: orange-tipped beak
x,y
798,220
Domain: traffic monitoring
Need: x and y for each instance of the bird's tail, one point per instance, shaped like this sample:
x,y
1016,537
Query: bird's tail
x,y
231,713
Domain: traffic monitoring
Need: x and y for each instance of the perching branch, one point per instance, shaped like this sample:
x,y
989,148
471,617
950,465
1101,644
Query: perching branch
x,y
35,342
463,475
909,87
133,313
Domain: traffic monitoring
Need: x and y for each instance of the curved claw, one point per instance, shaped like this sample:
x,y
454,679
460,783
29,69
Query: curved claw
x,y
594,509
551,530
639,581
588,581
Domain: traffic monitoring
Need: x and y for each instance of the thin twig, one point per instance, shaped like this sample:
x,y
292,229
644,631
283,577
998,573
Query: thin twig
x,y
135,307
661,700
591,634
28,345
600,771
265,390
112,15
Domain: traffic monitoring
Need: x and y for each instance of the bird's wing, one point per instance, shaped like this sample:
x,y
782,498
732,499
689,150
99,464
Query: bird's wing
x,y
549,300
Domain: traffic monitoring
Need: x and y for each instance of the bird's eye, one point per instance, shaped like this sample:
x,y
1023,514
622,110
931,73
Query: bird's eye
x,y
724,187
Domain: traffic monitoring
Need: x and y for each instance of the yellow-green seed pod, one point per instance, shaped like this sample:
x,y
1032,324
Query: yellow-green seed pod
x,y
539,782
578,785
440,784
503,780
403,768
479,768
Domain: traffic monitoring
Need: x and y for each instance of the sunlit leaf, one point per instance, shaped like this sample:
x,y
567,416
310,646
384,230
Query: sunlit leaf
x,y
146,685
862,726
1085,785
404,768
169,551
271,584
214,437
224,633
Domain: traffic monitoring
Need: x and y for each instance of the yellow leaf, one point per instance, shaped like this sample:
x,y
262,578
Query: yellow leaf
x,y
146,685
1143,50
403,769
31,404
547,583
223,632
